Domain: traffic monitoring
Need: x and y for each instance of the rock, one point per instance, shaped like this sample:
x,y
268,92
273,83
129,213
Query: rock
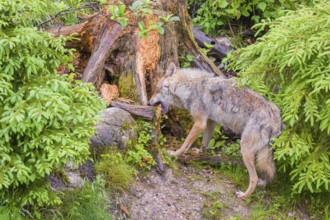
x,y
115,129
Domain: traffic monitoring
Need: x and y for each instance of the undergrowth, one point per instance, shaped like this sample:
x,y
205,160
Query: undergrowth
x,y
89,202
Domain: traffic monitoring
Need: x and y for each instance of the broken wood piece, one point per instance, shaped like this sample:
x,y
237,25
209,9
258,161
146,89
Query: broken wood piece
x,y
218,51
95,67
146,112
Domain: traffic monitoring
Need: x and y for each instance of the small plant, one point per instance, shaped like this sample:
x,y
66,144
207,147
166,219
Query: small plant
x,y
185,60
218,140
117,173
213,206
140,9
138,155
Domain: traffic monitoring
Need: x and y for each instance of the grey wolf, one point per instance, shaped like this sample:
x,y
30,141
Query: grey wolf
x,y
214,100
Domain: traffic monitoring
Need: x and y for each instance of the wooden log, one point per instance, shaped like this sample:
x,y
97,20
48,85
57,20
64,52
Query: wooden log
x,y
94,72
218,51
214,160
146,112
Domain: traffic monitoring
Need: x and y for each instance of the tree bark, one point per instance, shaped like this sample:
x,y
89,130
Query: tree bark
x,y
108,53
137,110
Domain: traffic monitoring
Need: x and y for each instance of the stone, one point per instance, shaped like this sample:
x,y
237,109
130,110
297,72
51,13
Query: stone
x,y
115,129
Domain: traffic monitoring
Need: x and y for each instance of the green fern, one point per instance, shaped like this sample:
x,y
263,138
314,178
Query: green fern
x,y
290,65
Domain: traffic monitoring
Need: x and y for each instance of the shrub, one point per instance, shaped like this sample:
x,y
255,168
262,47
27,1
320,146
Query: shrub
x,y
213,14
46,120
290,65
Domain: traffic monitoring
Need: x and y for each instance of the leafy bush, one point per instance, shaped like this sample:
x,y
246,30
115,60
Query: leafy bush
x,y
46,120
213,14
290,65
138,155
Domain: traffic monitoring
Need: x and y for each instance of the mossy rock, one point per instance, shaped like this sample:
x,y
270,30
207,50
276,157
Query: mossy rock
x,y
116,129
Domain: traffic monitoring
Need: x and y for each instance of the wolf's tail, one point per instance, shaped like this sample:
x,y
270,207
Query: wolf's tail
x,y
266,164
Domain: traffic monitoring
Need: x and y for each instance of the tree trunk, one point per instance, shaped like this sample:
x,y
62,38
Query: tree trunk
x,y
108,53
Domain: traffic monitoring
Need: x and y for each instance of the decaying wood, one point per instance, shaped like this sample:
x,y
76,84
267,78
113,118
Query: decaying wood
x,y
218,51
158,156
111,54
201,60
95,68
217,160
146,112
109,92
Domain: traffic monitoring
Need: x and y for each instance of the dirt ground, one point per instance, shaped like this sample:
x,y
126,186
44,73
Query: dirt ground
x,y
186,193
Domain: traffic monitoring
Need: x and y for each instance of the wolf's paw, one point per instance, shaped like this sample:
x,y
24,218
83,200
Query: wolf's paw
x,y
261,183
240,195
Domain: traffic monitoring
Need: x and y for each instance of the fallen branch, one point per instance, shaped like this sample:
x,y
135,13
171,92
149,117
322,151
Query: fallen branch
x,y
68,11
146,112
218,51
217,160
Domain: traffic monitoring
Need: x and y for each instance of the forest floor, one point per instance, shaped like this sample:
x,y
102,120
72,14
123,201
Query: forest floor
x,y
189,192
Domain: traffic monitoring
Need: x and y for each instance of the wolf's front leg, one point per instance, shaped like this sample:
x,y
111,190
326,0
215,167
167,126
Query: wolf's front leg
x,y
197,128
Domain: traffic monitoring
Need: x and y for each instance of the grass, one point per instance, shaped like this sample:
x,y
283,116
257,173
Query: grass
x,y
213,206
89,202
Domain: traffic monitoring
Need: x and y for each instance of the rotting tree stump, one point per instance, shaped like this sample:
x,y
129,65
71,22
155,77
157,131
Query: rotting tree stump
x,y
107,52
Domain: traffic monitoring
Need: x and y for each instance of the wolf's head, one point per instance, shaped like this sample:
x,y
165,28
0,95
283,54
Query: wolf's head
x,y
162,94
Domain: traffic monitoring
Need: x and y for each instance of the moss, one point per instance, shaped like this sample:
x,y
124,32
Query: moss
x,y
61,175
127,86
117,173
185,119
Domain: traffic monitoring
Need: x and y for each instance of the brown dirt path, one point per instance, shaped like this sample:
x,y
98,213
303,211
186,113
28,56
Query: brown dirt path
x,y
188,193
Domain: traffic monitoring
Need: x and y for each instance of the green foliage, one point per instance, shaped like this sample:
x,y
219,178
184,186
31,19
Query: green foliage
x,y
89,202
213,14
141,9
220,142
46,120
213,207
138,155
185,61
116,172
35,12
290,66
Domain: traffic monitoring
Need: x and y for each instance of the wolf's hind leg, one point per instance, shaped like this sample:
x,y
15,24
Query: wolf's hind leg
x,y
249,161
208,133
197,128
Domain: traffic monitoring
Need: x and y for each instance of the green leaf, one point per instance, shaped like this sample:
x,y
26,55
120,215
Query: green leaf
x,y
135,5
174,18
123,22
223,3
160,30
141,25
262,6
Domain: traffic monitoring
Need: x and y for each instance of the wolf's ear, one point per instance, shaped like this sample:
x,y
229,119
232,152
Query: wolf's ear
x,y
170,69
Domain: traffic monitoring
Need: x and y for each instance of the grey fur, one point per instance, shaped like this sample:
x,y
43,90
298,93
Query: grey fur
x,y
213,100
